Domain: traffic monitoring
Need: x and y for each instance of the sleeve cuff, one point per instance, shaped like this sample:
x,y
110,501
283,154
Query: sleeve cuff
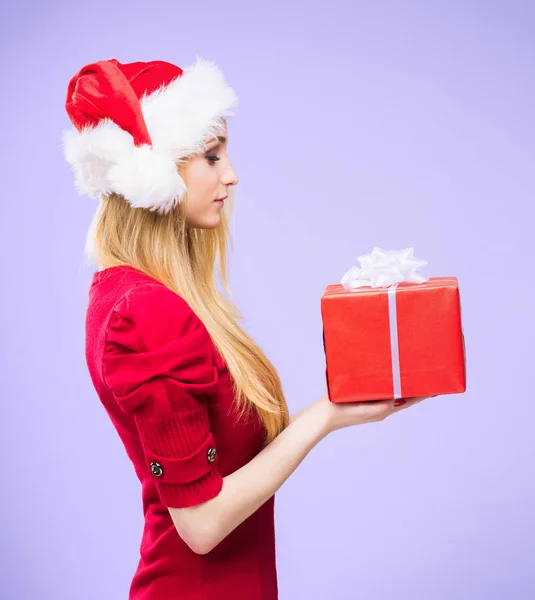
x,y
190,494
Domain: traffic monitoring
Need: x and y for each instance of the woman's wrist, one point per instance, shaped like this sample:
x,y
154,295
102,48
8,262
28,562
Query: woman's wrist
x,y
318,414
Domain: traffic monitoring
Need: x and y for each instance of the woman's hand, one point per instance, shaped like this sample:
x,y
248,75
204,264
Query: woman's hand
x,y
340,415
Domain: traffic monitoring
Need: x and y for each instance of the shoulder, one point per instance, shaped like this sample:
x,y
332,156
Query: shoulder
x,y
151,333
149,315
144,298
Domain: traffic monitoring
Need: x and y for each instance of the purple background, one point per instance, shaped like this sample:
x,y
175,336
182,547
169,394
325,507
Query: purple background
x,y
389,123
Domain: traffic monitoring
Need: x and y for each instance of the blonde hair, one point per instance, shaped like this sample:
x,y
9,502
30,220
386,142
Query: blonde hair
x,y
185,259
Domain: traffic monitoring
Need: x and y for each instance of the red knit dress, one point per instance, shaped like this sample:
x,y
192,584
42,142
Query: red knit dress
x,y
168,393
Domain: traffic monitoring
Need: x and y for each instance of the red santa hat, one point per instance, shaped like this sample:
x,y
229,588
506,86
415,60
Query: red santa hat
x,y
133,122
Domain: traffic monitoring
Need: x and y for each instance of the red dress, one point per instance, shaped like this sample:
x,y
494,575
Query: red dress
x,y
168,393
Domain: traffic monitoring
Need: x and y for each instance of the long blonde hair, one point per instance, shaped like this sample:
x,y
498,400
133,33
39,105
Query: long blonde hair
x,y
185,260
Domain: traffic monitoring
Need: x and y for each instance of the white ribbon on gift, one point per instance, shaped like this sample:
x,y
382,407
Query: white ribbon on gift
x,y
387,268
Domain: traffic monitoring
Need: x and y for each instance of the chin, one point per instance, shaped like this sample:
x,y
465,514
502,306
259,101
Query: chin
x,y
209,223
212,225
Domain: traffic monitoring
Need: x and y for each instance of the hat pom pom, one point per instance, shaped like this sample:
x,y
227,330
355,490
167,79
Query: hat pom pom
x,y
147,180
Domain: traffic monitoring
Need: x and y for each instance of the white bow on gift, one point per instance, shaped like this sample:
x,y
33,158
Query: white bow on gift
x,y
383,268
387,268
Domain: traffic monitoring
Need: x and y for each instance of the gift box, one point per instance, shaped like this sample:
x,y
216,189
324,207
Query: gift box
x,y
389,332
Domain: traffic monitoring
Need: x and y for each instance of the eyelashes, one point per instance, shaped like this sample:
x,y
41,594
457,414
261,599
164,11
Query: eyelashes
x,y
212,159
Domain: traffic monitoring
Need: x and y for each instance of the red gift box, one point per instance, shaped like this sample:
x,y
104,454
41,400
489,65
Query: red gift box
x,y
424,356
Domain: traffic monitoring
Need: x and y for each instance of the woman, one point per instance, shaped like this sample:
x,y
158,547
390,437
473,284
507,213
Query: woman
x,y
198,406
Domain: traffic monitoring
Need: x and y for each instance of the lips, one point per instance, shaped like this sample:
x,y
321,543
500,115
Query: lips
x,y
221,199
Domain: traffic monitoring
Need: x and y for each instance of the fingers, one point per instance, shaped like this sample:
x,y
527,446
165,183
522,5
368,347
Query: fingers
x,y
408,402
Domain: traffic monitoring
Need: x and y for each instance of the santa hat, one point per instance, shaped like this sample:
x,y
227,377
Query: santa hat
x,y
133,122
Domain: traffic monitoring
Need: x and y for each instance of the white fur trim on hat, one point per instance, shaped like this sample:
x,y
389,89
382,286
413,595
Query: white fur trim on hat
x,y
180,119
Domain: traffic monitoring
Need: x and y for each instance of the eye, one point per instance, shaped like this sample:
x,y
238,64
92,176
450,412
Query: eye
x,y
212,159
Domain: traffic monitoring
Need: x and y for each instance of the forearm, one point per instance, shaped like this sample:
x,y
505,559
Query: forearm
x,y
245,490
298,413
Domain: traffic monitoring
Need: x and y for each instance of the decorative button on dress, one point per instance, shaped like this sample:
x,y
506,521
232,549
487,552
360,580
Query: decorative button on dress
x,y
169,396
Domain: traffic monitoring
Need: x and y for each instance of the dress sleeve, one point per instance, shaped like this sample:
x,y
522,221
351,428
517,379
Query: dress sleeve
x,y
159,363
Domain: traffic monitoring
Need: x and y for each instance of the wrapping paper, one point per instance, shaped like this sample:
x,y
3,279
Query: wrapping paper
x,y
389,332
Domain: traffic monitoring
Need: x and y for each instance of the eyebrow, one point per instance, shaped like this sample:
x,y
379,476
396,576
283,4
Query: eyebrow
x,y
220,138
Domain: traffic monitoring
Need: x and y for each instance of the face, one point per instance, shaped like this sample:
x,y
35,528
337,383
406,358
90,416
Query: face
x,y
208,176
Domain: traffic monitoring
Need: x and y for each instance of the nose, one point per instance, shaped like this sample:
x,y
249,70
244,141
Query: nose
x,y
230,177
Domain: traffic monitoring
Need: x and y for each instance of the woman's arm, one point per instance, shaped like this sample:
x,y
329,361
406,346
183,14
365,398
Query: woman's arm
x,y
159,371
298,413
204,525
